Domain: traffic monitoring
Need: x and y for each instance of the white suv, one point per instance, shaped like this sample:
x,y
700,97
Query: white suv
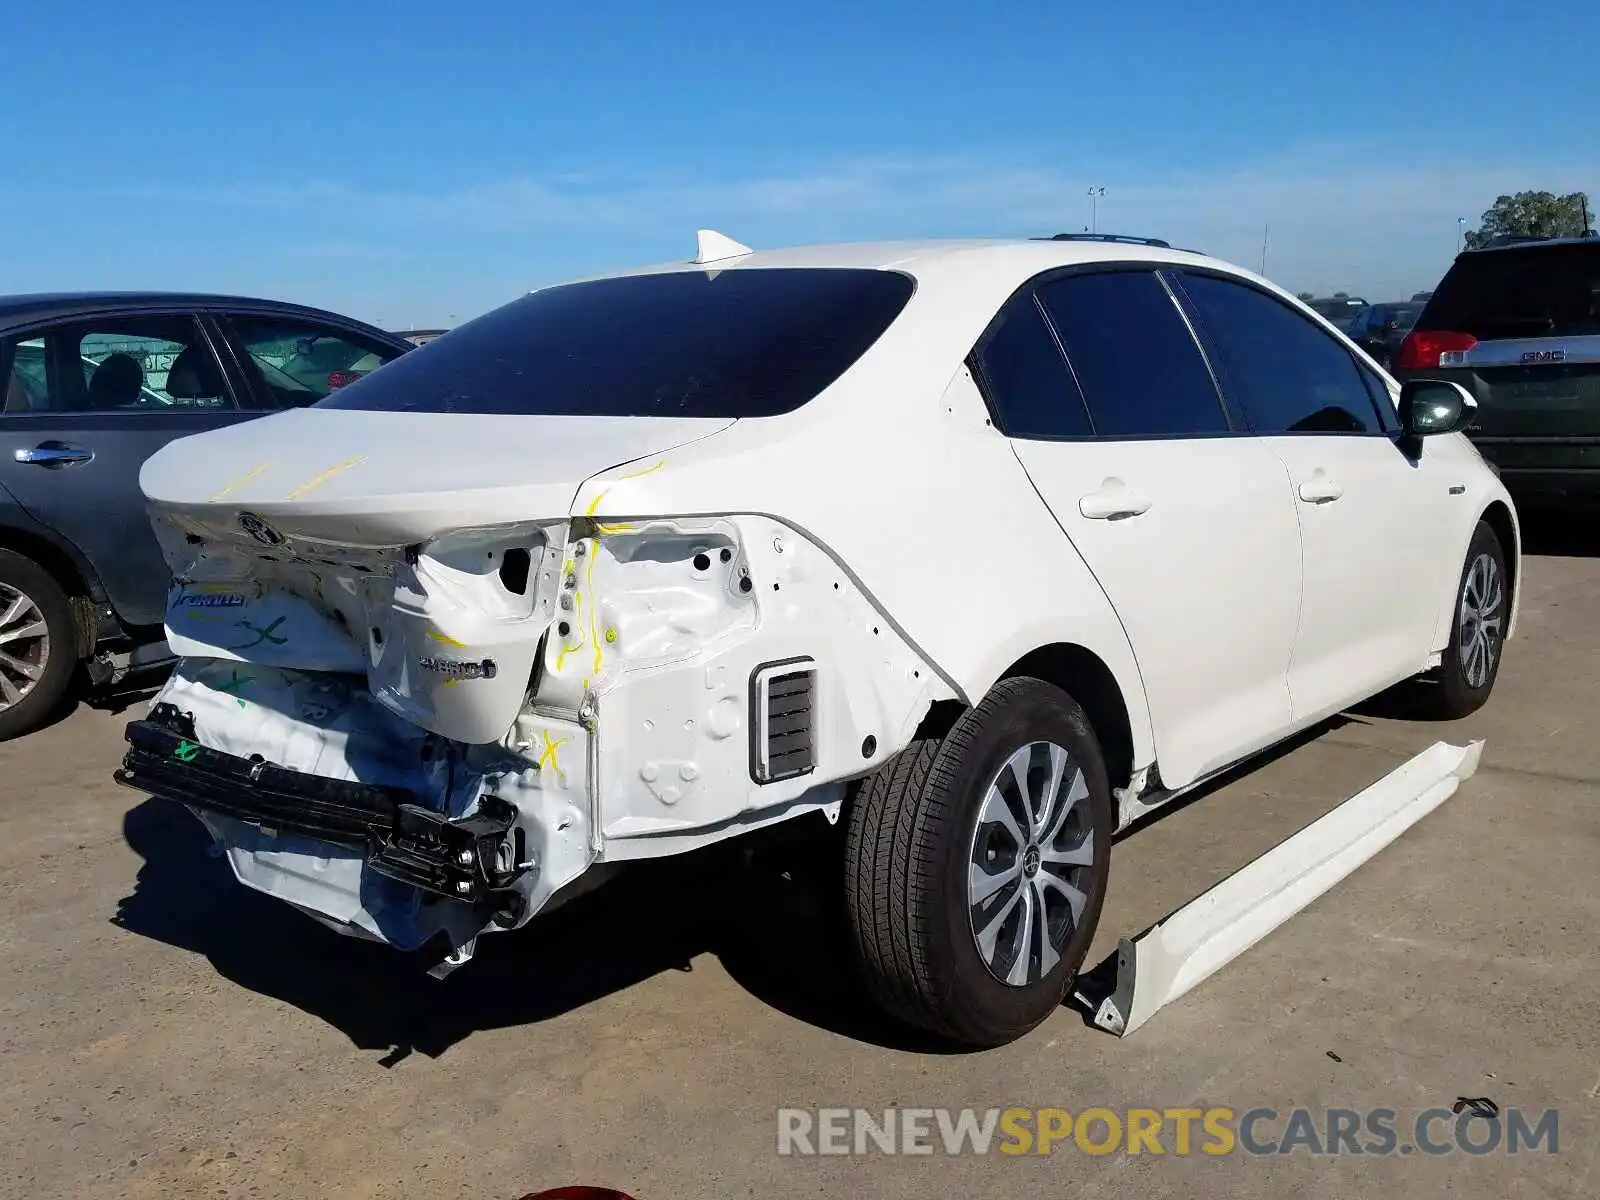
x,y
986,548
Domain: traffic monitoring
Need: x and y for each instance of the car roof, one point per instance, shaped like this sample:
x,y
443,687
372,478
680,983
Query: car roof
x,y
1515,242
26,308
942,259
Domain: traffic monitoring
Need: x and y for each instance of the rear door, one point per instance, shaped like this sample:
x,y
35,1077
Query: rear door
x,y
1519,326
1376,525
88,401
1188,527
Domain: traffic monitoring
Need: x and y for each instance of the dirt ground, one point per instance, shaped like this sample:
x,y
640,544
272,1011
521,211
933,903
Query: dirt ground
x,y
168,1033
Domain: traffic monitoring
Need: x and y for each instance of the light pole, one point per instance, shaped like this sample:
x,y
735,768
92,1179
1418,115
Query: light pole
x,y
1094,197
1461,225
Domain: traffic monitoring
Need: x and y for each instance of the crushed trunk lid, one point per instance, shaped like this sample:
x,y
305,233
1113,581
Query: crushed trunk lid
x,y
422,550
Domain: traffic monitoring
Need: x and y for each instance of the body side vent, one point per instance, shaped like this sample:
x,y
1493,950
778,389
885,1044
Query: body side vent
x,y
783,720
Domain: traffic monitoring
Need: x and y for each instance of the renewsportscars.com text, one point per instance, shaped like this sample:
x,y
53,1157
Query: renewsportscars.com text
x,y
1176,1131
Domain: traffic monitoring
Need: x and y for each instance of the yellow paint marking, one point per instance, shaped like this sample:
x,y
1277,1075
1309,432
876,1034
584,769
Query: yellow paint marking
x,y
594,505
594,612
332,472
238,483
446,639
548,754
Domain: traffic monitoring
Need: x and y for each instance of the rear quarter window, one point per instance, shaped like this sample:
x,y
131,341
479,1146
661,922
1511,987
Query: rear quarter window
x,y
1526,291
749,342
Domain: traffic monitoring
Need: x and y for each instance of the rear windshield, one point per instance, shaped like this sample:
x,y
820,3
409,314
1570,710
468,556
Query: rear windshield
x,y
1530,291
750,342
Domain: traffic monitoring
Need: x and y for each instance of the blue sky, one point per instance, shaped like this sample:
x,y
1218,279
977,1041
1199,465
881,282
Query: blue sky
x,y
409,162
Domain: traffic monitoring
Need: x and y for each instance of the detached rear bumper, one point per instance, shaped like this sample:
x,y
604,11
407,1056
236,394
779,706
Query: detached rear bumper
x,y
474,860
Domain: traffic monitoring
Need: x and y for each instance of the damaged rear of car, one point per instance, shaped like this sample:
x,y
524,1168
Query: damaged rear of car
x,y
427,683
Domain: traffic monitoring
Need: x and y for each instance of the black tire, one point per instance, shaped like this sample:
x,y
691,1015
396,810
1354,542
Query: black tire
x,y
1460,692
910,840
23,575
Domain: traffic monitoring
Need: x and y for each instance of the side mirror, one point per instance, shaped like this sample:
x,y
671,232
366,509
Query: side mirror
x,y
1429,407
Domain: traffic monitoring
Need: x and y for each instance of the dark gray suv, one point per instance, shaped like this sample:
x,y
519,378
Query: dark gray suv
x,y
1518,325
91,385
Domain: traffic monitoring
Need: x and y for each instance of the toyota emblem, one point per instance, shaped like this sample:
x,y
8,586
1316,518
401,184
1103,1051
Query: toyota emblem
x,y
259,529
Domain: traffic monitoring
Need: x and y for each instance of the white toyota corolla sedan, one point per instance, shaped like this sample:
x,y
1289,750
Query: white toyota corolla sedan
x,y
984,548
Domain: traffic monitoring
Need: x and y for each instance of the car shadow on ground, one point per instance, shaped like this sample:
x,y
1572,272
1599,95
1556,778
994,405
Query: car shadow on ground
x,y
768,906
764,910
1237,772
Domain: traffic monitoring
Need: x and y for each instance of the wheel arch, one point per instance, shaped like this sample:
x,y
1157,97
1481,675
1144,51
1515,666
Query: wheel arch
x,y
1084,676
65,566
1500,518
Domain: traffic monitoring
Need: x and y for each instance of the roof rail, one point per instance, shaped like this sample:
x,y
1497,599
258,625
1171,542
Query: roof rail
x,y
1106,237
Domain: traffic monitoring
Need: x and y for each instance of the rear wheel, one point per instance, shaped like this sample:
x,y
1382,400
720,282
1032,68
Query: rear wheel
x,y
976,864
1471,661
37,644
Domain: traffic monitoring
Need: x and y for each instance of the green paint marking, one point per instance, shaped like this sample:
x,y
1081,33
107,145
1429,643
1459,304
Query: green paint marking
x,y
264,634
233,686
186,751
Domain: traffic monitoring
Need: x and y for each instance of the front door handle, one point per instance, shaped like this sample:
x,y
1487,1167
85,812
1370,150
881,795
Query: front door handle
x,y
1113,502
54,454
1321,488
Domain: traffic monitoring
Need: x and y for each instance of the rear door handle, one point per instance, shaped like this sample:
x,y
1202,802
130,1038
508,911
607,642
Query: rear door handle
x,y
1112,502
1320,488
54,454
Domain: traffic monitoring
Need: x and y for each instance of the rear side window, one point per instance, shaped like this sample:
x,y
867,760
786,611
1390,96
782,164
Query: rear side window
x,y
1025,377
750,342
1138,366
1526,291
293,362
1286,373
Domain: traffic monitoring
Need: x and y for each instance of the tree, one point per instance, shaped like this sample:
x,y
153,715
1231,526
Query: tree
x,y
1532,214
1308,297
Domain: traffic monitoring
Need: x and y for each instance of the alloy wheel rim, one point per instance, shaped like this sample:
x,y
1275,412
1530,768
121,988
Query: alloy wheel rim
x,y
24,645
1029,865
1482,619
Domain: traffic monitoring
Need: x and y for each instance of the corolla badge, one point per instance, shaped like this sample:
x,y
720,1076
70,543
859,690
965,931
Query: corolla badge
x,y
259,529
455,669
